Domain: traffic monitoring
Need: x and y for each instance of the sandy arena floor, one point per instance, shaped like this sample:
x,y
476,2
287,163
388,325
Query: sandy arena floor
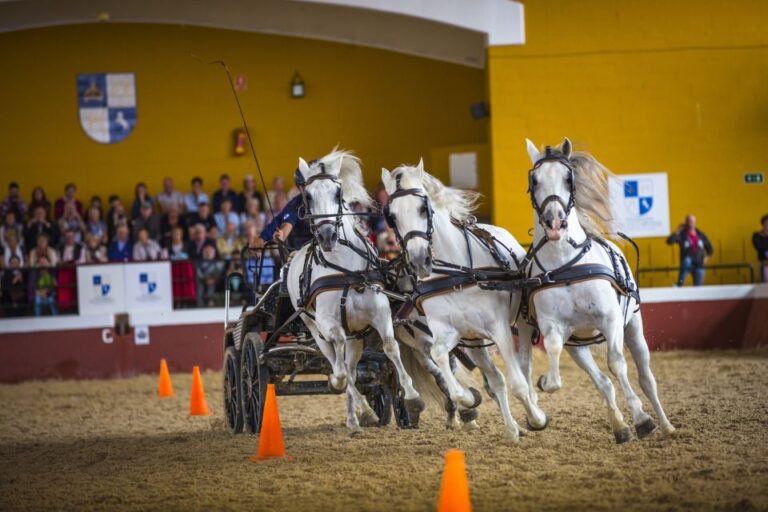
x,y
112,445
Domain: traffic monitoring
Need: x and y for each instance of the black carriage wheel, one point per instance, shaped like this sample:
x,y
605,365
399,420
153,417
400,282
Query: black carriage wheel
x,y
254,378
380,401
232,403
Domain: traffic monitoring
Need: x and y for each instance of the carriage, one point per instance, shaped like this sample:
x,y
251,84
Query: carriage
x,y
269,343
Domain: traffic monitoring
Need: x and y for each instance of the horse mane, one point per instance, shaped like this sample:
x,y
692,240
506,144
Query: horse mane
x,y
350,175
592,198
459,203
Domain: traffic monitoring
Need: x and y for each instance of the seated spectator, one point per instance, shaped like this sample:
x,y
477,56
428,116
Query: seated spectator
x,y
253,215
40,225
176,247
13,202
760,243
45,289
39,199
94,251
278,188
198,242
203,216
213,233
96,203
694,250
377,221
229,242
14,286
141,196
146,249
12,248
70,191
43,250
195,195
10,223
115,217
387,245
147,219
225,216
71,250
169,221
72,221
208,271
121,248
170,198
95,226
278,205
225,192
249,192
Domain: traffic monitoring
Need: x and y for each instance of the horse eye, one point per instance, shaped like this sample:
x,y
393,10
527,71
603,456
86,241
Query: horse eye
x,y
308,196
423,210
568,179
534,182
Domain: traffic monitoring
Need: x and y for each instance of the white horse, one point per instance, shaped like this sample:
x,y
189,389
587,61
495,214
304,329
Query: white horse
x,y
569,193
421,210
331,183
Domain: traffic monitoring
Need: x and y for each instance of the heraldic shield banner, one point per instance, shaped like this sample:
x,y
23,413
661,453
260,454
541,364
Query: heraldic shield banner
x,y
107,103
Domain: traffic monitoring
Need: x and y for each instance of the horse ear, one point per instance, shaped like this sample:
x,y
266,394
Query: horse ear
x,y
303,168
386,177
567,147
420,167
335,167
533,152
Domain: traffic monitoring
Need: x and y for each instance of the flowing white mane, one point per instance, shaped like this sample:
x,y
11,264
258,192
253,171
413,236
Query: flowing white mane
x,y
459,204
350,175
593,203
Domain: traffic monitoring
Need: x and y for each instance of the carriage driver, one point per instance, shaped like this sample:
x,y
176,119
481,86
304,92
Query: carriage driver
x,y
288,226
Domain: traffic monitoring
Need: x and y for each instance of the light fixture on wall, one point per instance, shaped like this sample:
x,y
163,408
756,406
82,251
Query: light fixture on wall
x,y
297,86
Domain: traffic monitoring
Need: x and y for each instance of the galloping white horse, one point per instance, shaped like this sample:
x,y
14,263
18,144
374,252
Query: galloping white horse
x,y
421,210
331,183
569,193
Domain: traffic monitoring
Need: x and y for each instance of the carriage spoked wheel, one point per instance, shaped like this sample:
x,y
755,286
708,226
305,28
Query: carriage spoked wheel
x,y
380,400
233,410
254,378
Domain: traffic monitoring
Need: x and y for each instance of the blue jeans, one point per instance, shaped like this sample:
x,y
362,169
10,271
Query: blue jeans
x,y
50,300
687,267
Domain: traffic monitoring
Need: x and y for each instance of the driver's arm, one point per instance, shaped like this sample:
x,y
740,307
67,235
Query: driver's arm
x,y
284,231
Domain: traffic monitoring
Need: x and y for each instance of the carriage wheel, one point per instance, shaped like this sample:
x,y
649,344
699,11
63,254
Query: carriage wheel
x,y
254,378
232,403
380,400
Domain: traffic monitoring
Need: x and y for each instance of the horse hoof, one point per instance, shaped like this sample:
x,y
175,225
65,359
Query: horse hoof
x,y
355,431
645,428
540,383
369,419
668,429
469,415
470,426
537,429
335,390
414,405
624,435
477,396
512,436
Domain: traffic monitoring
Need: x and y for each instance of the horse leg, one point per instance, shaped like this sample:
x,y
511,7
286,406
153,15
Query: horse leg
x,y
525,332
337,381
445,339
583,358
495,380
553,343
638,347
614,331
356,403
424,359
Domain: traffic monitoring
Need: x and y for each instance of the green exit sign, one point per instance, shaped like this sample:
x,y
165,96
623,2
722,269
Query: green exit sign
x,y
754,178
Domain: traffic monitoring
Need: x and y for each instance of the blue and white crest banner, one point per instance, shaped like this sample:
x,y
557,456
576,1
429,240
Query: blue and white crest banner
x,y
107,104
641,204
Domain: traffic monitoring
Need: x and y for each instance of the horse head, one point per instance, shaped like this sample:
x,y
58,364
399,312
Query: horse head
x,y
322,196
551,185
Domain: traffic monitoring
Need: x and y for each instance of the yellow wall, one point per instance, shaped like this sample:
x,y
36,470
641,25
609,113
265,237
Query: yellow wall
x,y
390,108
646,86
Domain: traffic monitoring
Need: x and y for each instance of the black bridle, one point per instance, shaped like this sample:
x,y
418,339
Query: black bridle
x,y
318,220
553,155
415,233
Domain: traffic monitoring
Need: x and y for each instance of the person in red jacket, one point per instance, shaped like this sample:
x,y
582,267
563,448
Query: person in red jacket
x,y
694,250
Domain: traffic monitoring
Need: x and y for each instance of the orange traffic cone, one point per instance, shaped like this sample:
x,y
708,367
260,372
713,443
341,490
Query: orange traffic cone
x,y
197,404
164,386
271,444
454,489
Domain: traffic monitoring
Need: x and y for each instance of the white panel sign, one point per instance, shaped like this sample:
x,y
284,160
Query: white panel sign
x,y
463,170
141,335
641,204
100,289
148,286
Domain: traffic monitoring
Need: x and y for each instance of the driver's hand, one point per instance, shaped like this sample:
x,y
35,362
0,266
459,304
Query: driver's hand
x,y
279,235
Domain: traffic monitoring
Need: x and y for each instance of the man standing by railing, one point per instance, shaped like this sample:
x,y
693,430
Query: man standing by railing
x,y
694,250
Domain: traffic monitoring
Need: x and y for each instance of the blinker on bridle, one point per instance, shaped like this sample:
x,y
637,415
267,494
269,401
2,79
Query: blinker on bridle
x,y
324,219
553,155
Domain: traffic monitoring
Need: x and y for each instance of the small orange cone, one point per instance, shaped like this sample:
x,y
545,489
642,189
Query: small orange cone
x,y
271,444
197,404
454,489
164,386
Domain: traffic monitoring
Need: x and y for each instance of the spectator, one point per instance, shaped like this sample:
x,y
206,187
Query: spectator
x,y
115,217
278,188
760,242
96,203
14,202
694,250
40,225
249,192
121,248
387,245
225,192
208,271
39,199
72,221
195,195
146,249
10,223
147,219
229,243
253,215
225,216
140,196
45,289
170,220
203,216
170,198
213,233
12,247
43,251
71,249
94,251
176,247
14,286
95,226
198,242
377,221
70,191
